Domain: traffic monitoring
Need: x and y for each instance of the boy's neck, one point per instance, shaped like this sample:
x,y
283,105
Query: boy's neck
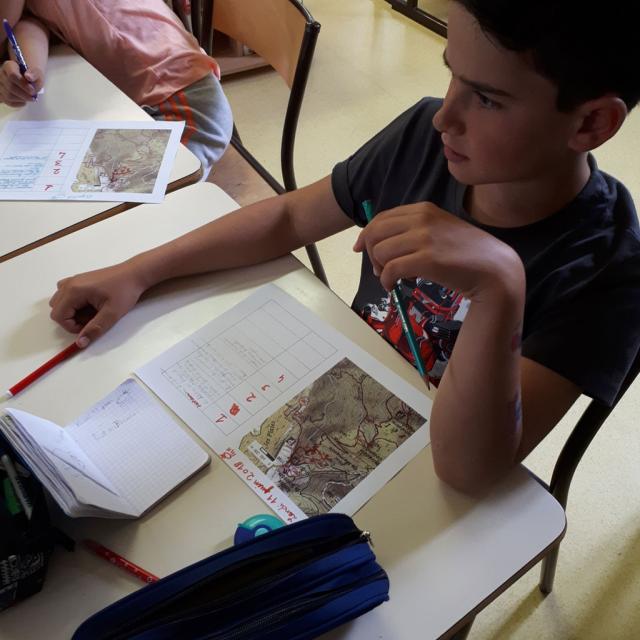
x,y
519,204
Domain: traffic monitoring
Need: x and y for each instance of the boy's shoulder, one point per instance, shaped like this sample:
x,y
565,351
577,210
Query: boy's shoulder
x,y
402,163
613,209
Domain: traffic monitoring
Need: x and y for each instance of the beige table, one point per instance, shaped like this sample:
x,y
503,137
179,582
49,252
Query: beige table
x,y
74,90
446,555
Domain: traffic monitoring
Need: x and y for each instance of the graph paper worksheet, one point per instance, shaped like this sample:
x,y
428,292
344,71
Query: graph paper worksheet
x,y
87,160
307,418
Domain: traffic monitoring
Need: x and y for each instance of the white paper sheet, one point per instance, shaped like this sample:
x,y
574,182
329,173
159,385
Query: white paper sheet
x,y
306,418
87,160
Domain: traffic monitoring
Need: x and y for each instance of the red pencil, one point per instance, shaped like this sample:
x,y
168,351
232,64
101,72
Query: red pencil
x,y
40,371
119,561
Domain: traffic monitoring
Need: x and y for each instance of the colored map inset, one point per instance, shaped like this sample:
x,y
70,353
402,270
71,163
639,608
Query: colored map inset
x,y
122,160
330,436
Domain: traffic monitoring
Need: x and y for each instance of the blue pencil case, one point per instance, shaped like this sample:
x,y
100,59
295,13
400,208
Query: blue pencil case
x,y
293,583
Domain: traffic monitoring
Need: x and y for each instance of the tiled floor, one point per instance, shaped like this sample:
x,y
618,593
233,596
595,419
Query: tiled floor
x,y
370,64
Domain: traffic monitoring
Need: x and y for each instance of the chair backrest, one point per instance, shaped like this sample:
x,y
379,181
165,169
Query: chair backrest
x,y
284,34
274,29
583,433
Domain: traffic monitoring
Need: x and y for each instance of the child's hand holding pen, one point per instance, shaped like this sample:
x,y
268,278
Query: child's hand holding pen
x,y
17,89
18,83
422,240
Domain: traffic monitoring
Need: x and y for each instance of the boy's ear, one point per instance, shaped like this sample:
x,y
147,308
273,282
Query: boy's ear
x,y
597,121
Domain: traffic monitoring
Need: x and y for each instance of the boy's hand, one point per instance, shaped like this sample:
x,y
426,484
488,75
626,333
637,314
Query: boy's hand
x,y
15,89
91,303
426,241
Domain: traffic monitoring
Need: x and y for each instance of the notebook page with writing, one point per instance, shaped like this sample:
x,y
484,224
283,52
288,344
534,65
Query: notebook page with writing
x,y
134,441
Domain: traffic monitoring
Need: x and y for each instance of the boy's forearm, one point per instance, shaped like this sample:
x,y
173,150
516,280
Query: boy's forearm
x,y
476,421
33,38
254,234
250,235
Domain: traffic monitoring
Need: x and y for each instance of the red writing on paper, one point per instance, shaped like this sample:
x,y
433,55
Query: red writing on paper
x,y
250,477
193,400
261,487
289,515
234,409
228,454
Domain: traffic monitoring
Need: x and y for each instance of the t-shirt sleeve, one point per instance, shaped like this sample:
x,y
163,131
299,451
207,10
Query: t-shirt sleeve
x,y
383,163
592,339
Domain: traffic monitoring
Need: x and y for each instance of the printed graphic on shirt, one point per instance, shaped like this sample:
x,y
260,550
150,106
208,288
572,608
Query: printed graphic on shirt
x,y
436,314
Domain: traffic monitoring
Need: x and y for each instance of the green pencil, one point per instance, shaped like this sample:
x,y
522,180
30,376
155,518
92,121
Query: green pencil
x,y
396,296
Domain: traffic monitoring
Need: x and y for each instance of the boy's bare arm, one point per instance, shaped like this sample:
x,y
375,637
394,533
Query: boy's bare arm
x,y
492,405
253,234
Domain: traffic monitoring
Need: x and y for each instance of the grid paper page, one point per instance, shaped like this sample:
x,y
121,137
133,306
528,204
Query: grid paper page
x,y
306,418
87,160
137,445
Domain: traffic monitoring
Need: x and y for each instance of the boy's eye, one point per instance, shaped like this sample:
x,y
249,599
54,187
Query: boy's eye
x,y
487,103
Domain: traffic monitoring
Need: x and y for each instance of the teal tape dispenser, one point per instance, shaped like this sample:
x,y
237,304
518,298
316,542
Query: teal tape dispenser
x,y
255,526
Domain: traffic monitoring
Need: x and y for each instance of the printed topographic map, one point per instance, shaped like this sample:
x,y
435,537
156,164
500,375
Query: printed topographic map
x,y
122,160
330,436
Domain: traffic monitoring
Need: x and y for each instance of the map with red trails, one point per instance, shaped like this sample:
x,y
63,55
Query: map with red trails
x,y
122,160
330,436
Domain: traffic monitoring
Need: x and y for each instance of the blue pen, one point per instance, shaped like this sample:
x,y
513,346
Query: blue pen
x,y
396,296
22,65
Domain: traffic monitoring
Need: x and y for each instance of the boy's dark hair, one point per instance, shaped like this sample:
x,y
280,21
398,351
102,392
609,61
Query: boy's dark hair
x,y
586,51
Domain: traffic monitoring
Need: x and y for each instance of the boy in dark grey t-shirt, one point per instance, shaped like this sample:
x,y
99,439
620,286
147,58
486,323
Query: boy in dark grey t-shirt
x,y
490,209
574,261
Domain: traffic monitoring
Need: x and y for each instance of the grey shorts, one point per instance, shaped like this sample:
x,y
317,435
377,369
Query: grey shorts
x,y
207,115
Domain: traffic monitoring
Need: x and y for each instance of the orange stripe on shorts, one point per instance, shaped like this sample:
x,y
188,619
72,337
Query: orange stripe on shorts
x,y
190,126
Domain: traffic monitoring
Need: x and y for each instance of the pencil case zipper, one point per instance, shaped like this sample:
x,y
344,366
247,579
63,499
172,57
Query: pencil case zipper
x,y
282,614
253,590
150,617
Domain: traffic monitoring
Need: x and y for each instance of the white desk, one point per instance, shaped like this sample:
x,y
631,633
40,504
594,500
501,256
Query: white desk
x,y
446,555
74,90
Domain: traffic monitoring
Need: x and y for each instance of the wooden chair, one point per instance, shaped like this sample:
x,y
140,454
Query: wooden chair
x,y
284,34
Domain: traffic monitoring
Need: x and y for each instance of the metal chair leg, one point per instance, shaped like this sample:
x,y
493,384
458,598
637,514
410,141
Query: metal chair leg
x,y
548,571
316,263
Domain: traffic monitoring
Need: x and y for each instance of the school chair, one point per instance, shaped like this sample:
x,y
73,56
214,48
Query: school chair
x,y
284,34
588,425
583,433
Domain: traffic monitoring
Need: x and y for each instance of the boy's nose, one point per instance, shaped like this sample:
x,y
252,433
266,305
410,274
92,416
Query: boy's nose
x,y
448,118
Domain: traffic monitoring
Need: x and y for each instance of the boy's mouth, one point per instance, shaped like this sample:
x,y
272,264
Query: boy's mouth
x,y
453,156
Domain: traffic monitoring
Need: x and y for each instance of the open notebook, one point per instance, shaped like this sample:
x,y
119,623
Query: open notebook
x,y
103,464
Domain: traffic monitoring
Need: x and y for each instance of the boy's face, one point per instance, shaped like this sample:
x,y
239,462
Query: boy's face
x,y
499,121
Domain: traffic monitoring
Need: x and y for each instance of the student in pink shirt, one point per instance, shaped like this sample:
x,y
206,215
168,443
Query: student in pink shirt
x,y
142,47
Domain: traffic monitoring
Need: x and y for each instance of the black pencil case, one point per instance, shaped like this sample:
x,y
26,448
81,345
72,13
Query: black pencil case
x,y
25,543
